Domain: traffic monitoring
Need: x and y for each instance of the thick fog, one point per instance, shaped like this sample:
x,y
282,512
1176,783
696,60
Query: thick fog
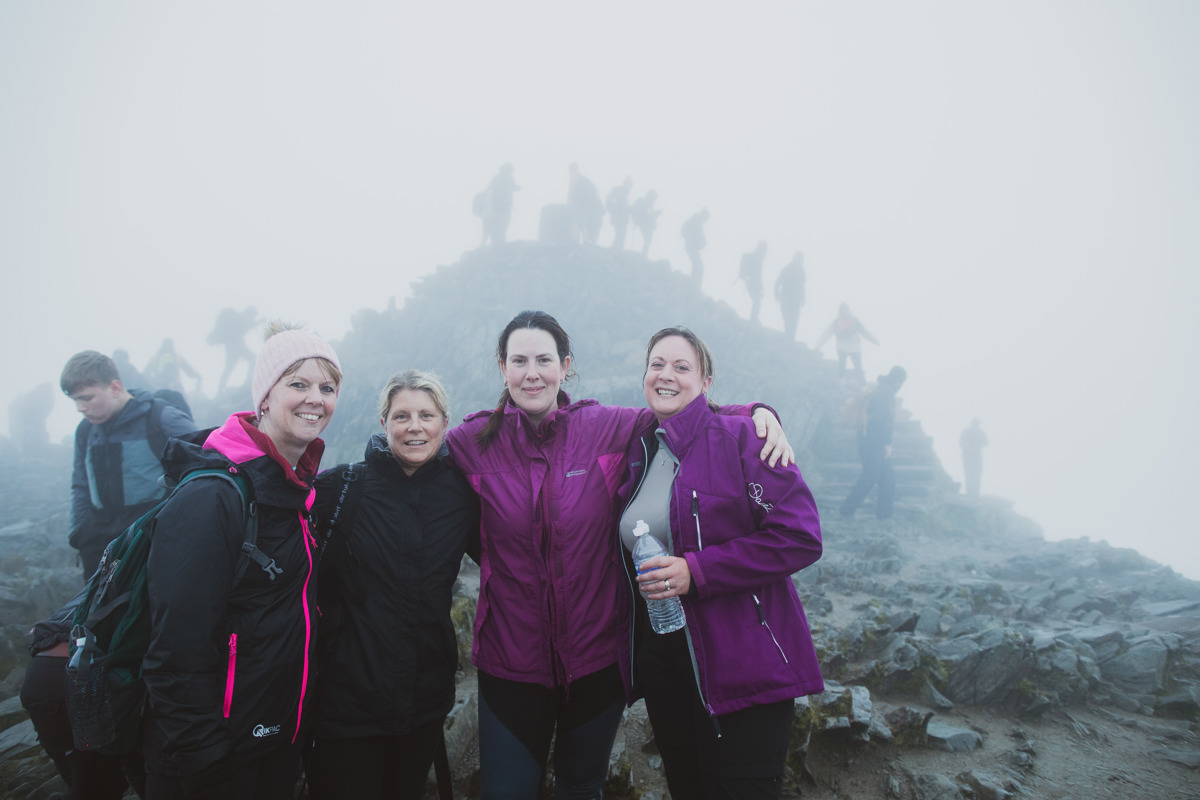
x,y
1005,194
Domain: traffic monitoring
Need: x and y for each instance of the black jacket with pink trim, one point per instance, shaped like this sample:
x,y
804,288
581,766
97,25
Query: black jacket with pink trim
x,y
229,667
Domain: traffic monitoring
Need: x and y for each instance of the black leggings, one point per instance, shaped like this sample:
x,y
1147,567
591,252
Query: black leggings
x,y
517,721
373,767
746,761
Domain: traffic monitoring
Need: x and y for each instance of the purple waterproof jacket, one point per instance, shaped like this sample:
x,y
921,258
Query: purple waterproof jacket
x,y
553,601
744,528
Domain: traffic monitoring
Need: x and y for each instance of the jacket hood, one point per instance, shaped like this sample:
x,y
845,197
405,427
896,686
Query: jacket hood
x,y
239,442
379,455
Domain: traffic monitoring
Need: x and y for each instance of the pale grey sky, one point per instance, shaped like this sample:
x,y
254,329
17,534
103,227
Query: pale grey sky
x,y
1006,194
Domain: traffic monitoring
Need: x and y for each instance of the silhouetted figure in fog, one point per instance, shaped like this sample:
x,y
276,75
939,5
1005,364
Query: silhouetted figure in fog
x,y
751,271
875,448
645,217
694,242
789,293
850,333
230,333
494,206
27,417
126,367
972,441
617,203
167,368
584,205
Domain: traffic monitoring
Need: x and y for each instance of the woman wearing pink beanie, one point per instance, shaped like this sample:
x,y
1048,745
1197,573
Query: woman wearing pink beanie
x,y
230,661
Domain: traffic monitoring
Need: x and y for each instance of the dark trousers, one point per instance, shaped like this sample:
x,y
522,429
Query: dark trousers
x,y
370,767
90,776
876,471
271,776
745,761
855,357
517,721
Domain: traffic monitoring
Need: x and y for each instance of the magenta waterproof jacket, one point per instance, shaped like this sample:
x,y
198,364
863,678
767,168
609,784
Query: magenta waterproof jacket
x,y
553,601
744,528
552,598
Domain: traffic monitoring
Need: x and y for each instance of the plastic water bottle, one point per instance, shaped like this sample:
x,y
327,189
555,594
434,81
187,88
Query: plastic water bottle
x,y
665,615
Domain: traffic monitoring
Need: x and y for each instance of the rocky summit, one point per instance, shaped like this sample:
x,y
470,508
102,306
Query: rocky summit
x,y
965,656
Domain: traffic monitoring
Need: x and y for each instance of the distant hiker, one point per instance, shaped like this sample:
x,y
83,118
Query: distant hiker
x,y
875,448
972,441
118,451
694,242
230,333
850,333
165,368
494,206
403,522
90,775
27,417
789,293
617,204
751,271
584,206
230,665
131,378
645,217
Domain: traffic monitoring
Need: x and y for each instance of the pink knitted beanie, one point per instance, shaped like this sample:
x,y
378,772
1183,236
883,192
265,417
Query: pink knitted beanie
x,y
280,352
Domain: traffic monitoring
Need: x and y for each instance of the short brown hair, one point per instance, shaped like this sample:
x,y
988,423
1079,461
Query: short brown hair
x,y
88,368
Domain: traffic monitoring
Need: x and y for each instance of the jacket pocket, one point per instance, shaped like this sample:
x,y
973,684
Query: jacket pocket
x,y
762,619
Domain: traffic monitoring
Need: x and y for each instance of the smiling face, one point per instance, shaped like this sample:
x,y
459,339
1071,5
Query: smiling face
x,y
673,377
298,408
533,372
415,428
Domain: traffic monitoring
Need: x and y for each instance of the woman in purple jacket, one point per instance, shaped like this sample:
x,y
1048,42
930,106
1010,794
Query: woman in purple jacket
x,y
552,597
719,692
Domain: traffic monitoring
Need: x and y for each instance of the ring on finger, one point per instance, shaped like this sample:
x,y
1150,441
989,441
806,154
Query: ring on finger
x,y
667,584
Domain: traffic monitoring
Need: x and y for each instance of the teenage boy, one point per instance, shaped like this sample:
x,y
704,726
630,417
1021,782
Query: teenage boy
x,y
118,447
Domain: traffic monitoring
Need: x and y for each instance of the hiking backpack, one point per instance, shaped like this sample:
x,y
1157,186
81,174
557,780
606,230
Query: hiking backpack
x,y
111,627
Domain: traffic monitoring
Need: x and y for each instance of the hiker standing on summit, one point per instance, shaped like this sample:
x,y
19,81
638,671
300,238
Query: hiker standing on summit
x,y
230,663
118,451
875,448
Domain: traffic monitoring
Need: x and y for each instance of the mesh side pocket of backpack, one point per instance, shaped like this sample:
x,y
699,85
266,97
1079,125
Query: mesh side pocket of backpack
x,y
104,705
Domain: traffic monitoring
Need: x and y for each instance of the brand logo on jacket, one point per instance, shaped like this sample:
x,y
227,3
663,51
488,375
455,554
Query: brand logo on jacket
x,y
755,491
261,731
576,472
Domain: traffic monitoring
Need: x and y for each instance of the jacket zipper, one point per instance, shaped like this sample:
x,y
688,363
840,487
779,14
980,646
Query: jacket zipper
x,y
230,670
309,540
762,618
696,515
628,579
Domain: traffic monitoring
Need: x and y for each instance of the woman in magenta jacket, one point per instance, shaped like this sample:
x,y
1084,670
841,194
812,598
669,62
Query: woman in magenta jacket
x,y
720,691
552,597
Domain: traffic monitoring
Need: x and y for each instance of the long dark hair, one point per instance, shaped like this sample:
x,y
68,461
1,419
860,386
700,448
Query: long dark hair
x,y
531,320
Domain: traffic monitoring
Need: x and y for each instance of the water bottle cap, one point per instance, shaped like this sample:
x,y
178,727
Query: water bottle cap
x,y
641,528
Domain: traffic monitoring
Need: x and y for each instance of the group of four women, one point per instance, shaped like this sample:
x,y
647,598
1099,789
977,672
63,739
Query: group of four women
x,y
544,494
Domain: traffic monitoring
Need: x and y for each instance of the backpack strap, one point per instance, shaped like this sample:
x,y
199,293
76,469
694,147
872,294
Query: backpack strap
x,y
154,430
354,476
250,551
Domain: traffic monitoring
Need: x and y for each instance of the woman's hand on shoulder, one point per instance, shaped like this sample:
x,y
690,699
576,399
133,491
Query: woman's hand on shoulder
x,y
775,445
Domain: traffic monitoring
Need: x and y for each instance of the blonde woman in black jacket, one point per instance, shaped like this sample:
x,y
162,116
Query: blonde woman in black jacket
x,y
388,652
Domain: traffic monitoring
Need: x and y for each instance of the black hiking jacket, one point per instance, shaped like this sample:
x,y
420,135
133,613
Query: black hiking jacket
x,y
229,666
388,652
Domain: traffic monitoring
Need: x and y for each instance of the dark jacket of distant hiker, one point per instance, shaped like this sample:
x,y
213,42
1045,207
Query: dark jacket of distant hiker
x,y
388,651
117,469
743,527
228,667
881,418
